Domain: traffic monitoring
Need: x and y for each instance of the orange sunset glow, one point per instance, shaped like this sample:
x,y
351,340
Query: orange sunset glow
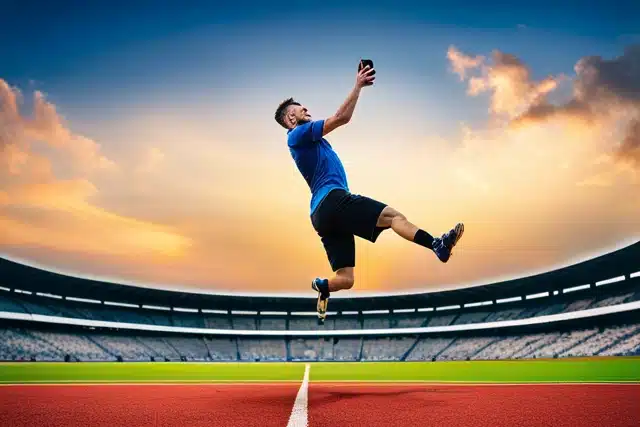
x,y
196,199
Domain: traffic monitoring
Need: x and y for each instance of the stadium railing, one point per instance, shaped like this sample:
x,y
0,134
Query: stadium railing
x,y
561,317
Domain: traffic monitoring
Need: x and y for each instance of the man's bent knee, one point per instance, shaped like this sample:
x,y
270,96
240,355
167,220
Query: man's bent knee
x,y
346,277
348,282
387,216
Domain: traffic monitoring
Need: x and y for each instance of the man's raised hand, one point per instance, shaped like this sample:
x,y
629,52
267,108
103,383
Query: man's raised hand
x,y
365,77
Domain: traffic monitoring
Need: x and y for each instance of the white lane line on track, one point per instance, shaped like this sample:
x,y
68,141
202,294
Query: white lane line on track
x,y
299,416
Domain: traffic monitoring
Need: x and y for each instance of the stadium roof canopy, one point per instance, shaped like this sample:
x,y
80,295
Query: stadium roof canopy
x,y
620,262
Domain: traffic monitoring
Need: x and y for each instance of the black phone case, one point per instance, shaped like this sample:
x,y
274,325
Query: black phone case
x,y
364,62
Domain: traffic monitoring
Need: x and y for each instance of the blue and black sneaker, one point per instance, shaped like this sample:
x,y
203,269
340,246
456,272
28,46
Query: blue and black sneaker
x,y
321,286
443,245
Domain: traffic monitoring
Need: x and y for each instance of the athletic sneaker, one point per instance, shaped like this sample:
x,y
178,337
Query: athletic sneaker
x,y
322,287
443,245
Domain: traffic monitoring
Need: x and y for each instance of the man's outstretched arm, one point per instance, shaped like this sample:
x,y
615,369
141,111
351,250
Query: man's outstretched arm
x,y
364,78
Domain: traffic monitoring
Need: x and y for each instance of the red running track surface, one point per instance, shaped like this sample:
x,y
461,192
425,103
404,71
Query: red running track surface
x,y
147,405
475,406
334,405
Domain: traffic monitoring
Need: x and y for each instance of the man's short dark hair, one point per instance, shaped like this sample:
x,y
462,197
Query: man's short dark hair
x,y
281,110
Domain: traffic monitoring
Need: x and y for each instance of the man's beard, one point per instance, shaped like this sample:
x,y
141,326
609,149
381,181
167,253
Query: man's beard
x,y
304,120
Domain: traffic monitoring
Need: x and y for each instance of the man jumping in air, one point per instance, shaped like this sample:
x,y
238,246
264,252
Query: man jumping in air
x,y
337,215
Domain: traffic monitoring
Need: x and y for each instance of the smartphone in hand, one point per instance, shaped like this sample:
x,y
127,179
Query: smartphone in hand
x,y
363,63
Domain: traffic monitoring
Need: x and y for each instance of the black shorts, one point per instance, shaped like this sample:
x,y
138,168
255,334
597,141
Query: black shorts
x,y
340,217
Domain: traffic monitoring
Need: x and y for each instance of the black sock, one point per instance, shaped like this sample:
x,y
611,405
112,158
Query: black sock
x,y
423,239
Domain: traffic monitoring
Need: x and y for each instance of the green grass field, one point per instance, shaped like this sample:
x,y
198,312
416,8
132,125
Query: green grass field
x,y
621,369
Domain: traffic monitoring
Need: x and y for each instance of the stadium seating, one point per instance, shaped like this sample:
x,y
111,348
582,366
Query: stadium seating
x,y
74,327
18,303
24,344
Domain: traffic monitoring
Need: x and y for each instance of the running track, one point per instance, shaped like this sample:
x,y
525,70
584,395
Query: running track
x,y
320,404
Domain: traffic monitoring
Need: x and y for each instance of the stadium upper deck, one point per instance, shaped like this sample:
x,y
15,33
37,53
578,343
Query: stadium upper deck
x,y
18,305
622,264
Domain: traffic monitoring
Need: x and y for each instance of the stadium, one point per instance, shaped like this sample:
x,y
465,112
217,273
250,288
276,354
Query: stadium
x,y
520,352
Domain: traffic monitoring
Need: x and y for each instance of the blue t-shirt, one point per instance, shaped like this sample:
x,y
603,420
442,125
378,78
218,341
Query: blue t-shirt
x,y
316,161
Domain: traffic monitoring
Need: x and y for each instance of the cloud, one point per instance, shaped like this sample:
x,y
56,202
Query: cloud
x,y
629,150
616,79
601,87
572,110
30,147
605,90
606,93
18,134
23,140
506,78
460,62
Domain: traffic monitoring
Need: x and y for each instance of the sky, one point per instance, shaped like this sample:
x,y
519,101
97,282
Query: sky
x,y
138,145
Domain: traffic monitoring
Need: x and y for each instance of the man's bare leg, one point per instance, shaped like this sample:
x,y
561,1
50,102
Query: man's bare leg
x,y
389,217
441,246
343,279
